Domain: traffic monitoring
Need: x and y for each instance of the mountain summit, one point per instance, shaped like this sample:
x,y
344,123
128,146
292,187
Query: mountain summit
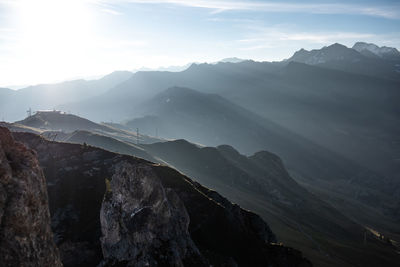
x,y
335,52
365,59
384,52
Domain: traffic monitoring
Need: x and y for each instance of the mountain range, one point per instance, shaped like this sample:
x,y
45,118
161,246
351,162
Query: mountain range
x,y
382,64
311,143
259,182
168,211
372,50
15,103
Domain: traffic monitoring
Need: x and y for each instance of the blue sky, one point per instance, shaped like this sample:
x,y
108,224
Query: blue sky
x,y
53,40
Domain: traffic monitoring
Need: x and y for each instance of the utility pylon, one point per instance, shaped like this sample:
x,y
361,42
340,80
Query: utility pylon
x,y
29,112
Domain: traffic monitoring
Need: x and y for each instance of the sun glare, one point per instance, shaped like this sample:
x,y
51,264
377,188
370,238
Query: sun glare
x,y
55,35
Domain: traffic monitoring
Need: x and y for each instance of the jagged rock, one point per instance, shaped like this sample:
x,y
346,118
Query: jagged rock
x,y
143,223
25,234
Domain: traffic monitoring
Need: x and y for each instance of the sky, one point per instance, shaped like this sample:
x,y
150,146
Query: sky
x,y
44,41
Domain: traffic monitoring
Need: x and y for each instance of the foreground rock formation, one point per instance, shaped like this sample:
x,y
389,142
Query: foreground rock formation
x,y
25,234
117,210
143,222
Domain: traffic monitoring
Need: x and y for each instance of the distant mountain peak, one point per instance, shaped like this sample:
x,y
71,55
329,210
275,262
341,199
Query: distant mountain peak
x,y
363,45
231,60
384,52
335,51
337,45
196,66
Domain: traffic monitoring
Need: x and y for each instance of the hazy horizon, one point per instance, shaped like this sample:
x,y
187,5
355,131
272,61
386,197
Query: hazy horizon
x,y
142,68
48,41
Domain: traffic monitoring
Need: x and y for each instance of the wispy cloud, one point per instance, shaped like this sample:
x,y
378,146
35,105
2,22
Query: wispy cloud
x,y
386,11
111,11
322,38
6,2
105,6
120,44
278,37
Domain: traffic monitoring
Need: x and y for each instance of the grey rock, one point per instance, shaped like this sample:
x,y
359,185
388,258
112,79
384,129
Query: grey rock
x,y
142,222
25,234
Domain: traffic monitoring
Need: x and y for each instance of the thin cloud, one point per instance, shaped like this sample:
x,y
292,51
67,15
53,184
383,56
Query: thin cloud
x,y
269,38
388,11
6,2
111,11
325,38
118,44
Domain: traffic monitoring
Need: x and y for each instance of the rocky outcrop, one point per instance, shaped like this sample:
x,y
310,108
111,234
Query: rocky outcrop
x,y
146,214
144,223
226,234
25,234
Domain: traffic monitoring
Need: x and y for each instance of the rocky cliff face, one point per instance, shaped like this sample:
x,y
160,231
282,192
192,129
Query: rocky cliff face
x,y
25,234
146,214
143,223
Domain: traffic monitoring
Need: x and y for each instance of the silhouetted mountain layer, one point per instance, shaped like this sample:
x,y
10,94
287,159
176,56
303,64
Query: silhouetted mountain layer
x,y
351,115
372,50
105,142
340,57
335,121
143,85
49,96
4,93
261,183
212,120
83,180
67,123
348,113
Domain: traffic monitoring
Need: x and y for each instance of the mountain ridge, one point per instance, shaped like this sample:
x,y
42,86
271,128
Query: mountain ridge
x,y
389,53
209,166
90,167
